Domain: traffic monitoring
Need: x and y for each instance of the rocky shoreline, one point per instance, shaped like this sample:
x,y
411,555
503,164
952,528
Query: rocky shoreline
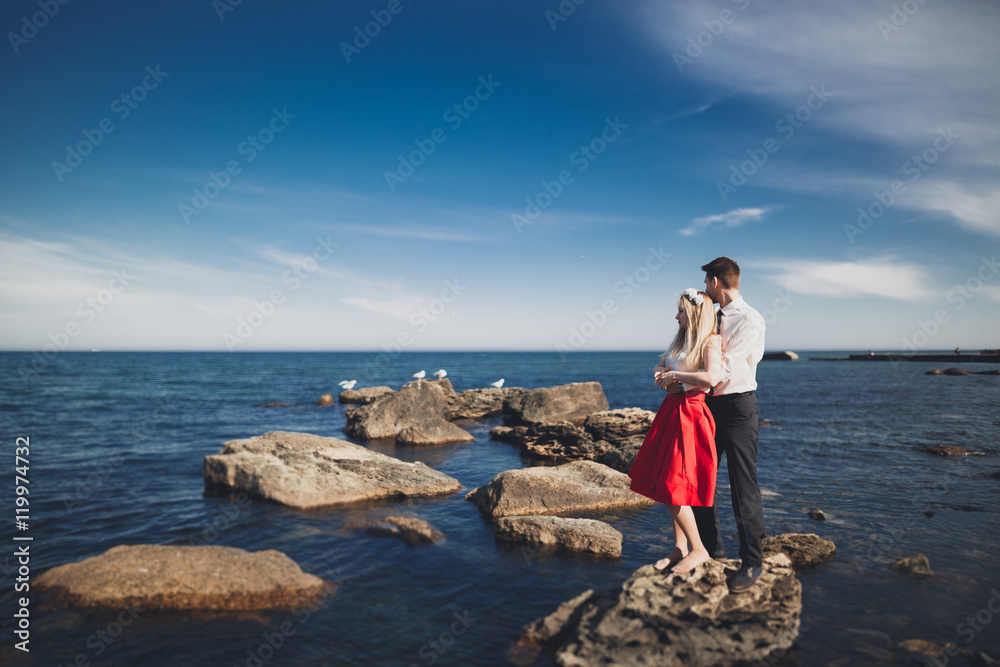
x,y
653,618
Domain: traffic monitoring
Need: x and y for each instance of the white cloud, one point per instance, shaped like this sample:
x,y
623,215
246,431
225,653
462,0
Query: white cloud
x,y
733,218
884,277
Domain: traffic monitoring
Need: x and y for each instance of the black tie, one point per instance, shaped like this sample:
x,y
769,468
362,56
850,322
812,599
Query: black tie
x,y
718,319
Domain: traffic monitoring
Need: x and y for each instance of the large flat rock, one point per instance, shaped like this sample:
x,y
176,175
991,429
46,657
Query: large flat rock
x,y
563,403
305,471
365,395
415,402
181,577
575,486
558,533
666,620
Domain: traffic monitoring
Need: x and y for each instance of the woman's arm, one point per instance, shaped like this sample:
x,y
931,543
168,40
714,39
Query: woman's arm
x,y
713,367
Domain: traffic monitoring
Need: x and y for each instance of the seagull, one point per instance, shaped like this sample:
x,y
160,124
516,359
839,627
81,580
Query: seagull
x,y
420,375
497,384
440,374
347,384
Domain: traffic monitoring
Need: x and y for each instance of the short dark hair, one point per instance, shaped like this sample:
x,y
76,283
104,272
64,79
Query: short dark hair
x,y
726,270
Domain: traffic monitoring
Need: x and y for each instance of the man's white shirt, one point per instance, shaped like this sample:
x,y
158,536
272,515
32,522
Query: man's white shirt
x,y
742,347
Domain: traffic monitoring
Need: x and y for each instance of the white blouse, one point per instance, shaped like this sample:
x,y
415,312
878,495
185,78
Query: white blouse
x,y
679,363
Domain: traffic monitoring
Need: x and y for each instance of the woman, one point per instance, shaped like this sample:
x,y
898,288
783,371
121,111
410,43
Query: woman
x,y
677,462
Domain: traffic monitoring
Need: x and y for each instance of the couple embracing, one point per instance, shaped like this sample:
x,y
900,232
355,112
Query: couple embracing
x,y
709,373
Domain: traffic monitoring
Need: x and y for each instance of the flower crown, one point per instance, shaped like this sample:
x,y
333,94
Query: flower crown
x,y
693,295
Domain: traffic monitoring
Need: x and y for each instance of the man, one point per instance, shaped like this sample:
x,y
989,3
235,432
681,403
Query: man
x,y
734,406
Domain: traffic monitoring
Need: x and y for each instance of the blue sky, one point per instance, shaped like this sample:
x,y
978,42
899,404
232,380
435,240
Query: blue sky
x,y
495,175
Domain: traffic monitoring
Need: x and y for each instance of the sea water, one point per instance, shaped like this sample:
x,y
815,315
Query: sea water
x,y
118,441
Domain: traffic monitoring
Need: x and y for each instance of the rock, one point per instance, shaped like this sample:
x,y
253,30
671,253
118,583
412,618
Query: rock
x,y
480,403
621,458
995,475
305,470
921,646
946,450
956,371
181,577
780,356
562,403
433,432
803,549
934,371
559,533
276,404
618,426
916,566
325,399
993,372
616,434
674,619
575,486
819,515
365,395
414,532
552,441
386,417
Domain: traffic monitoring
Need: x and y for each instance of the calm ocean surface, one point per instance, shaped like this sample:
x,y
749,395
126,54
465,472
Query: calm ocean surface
x,y
118,440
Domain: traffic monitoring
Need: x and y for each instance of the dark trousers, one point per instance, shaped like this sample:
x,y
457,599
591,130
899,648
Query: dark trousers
x,y
736,437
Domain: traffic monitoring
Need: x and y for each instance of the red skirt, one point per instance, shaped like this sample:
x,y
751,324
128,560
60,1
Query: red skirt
x,y
677,463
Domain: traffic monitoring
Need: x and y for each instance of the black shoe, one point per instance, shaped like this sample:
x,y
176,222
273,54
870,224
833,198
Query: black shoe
x,y
719,555
745,578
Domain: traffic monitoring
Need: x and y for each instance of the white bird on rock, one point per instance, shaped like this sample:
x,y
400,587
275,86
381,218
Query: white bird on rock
x,y
420,375
440,374
347,384
497,384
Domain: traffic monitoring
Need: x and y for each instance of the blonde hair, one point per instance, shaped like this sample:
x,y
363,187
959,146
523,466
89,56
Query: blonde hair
x,y
701,325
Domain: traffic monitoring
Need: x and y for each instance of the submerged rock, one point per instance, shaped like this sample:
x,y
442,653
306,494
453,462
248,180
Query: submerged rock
x,y
956,371
916,566
804,549
946,450
325,399
575,486
666,620
433,432
305,470
562,534
414,532
934,371
415,402
364,396
181,577
817,514
562,403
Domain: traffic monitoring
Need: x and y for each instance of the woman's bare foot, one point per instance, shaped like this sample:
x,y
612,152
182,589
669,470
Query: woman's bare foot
x,y
692,560
671,560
